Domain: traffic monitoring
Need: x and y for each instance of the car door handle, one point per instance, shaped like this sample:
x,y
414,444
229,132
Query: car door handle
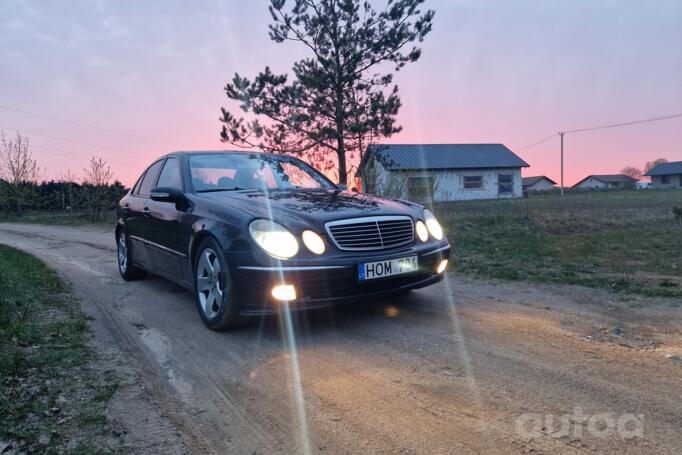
x,y
147,212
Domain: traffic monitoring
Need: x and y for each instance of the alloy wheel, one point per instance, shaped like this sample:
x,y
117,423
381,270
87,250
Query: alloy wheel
x,y
209,283
122,253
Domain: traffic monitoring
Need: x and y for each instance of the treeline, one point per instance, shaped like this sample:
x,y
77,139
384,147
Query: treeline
x,y
22,188
60,196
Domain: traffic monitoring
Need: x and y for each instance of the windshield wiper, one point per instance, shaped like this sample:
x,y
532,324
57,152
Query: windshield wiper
x,y
213,190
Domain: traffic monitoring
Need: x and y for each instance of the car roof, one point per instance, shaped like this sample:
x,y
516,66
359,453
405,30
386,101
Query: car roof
x,y
205,152
218,152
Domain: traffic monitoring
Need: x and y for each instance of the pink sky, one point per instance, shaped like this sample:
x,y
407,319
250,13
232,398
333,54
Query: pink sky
x,y
495,71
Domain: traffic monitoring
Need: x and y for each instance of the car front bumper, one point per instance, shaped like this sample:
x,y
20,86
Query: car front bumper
x,y
331,283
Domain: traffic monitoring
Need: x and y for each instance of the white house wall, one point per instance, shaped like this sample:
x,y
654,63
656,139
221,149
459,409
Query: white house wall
x,y
674,181
592,183
449,184
541,185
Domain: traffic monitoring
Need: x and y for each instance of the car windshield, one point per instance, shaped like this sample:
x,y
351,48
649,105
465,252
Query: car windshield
x,y
237,171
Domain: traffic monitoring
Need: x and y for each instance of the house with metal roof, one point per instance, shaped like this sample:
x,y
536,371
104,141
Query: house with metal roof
x,y
666,175
538,183
606,181
441,172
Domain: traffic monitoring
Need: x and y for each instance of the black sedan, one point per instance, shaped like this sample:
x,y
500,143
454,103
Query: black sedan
x,y
250,232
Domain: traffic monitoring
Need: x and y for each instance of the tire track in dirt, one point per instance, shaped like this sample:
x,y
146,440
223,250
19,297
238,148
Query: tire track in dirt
x,y
432,372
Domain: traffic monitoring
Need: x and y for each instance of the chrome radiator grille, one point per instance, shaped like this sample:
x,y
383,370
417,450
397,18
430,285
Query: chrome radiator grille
x,y
371,233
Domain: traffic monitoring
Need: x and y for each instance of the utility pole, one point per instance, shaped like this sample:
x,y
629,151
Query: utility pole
x,y
561,133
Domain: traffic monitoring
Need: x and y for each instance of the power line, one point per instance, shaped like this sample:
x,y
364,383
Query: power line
x,y
581,130
613,125
70,154
104,147
49,152
634,122
85,125
538,142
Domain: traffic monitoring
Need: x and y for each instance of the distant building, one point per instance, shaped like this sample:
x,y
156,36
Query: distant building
x,y
538,183
606,181
441,172
666,175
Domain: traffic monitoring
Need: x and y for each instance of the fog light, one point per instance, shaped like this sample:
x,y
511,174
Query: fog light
x,y
284,292
441,266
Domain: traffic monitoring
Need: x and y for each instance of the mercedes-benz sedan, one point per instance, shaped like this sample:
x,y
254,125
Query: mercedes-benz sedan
x,y
250,232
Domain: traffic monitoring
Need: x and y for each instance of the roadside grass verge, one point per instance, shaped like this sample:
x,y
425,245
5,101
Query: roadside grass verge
x,y
52,397
625,241
75,218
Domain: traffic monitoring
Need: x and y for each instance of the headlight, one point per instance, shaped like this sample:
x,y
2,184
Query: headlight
x,y
433,225
276,240
422,232
313,241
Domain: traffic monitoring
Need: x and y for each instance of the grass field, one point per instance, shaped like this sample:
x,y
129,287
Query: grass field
x,y
626,241
52,398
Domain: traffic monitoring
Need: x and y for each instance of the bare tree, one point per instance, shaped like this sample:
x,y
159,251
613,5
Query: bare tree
x,y
632,171
18,169
388,185
66,193
96,187
652,164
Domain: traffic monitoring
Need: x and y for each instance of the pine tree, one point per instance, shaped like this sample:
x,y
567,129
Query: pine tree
x,y
340,98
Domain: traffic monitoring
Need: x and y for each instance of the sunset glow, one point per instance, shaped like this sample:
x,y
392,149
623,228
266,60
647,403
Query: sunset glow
x,y
131,81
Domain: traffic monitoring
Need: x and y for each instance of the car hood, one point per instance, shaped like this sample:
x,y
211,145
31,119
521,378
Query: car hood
x,y
313,207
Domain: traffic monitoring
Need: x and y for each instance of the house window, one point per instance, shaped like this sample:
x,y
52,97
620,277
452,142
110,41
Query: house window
x,y
473,182
420,188
665,179
505,184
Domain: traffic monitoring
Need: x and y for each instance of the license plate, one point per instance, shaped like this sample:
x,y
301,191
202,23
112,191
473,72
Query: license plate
x,y
390,267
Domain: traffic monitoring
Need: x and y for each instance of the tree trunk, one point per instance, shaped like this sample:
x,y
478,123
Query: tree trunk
x,y
341,154
17,199
340,144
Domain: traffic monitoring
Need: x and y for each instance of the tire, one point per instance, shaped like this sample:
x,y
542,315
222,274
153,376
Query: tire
x,y
128,271
213,288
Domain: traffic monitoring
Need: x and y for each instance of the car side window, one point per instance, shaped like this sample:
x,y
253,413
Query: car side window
x,y
170,175
149,180
136,188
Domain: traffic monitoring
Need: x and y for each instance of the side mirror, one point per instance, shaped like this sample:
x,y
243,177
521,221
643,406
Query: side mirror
x,y
342,186
166,194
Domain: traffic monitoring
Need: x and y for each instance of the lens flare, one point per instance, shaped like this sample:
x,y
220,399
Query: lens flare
x,y
299,402
289,335
460,341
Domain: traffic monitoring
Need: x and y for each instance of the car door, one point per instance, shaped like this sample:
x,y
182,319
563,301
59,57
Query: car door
x,y
137,213
168,238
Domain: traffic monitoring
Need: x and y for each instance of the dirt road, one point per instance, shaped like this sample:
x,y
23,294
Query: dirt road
x,y
467,366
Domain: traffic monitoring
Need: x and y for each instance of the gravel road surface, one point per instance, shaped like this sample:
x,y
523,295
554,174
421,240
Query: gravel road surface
x,y
466,366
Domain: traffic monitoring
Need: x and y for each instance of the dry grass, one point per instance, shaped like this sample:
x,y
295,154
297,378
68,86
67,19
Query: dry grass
x,y
52,398
627,241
